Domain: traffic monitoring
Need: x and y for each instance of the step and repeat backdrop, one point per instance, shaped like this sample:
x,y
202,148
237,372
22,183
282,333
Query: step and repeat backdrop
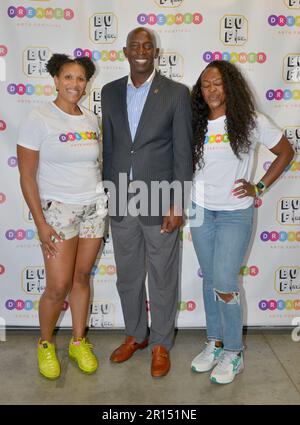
x,y
261,37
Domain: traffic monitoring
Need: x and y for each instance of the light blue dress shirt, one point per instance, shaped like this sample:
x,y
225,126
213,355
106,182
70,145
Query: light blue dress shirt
x,y
136,98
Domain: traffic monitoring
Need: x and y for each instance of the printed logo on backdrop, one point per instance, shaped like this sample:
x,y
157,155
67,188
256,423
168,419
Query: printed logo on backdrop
x,y
287,280
187,306
293,135
282,237
235,57
103,55
233,30
2,198
168,3
105,272
294,167
292,4
21,234
95,101
161,19
33,280
28,305
2,125
40,13
34,61
282,21
279,95
12,161
170,64
292,171
102,314
280,305
3,50
21,89
288,211
2,269
23,238
291,68
249,271
104,28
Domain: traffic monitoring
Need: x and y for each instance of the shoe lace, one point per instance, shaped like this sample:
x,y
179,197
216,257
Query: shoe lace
x,y
85,349
225,359
209,349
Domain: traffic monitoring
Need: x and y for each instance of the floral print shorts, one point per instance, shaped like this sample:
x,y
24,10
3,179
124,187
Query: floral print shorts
x,y
70,220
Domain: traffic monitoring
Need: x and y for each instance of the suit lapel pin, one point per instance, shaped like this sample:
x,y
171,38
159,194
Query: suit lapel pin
x,y
155,91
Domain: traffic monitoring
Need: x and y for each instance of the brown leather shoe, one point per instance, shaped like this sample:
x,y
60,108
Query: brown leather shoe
x,y
126,350
160,361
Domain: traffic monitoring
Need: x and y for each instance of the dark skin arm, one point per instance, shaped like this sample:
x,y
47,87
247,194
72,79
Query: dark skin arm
x,y
285,153
172,221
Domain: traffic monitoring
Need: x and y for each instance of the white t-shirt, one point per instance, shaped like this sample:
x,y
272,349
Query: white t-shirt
x,y
212,185
68,148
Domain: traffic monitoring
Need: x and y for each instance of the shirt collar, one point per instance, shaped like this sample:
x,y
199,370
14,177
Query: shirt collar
x,y
148,81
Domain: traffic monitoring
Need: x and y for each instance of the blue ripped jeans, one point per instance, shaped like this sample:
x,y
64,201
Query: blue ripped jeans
x,y
221,243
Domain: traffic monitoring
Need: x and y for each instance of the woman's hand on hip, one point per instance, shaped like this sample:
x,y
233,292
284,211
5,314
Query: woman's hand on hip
x,y
243,189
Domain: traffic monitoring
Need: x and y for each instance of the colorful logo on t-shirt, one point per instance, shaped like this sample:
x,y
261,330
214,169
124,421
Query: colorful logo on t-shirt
x,y
78,136
216,138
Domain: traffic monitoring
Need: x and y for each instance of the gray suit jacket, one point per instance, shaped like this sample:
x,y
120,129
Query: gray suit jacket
x,y
162,147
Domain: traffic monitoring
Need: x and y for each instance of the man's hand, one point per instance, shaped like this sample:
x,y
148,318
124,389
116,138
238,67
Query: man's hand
x,y
173,220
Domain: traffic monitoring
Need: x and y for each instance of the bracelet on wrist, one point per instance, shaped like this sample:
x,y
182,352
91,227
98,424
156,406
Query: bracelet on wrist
x,y
256,191
261,187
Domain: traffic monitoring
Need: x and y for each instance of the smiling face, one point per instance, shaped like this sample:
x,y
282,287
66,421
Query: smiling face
x,y
70,83
141,51
212,89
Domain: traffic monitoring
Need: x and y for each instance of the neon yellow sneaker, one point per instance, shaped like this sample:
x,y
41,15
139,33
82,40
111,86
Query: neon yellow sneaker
x,y
48,364
81,351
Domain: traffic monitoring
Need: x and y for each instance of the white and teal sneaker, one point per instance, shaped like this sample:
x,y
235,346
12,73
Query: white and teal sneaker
x,y
208,358
229,365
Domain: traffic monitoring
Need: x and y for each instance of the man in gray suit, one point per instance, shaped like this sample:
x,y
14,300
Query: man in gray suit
x,y
147,137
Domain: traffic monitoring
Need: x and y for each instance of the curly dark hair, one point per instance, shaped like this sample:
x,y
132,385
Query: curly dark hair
x,y
58,60
240,111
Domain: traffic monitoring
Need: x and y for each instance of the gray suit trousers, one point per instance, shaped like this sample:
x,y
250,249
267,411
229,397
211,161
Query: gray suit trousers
x,y
140,249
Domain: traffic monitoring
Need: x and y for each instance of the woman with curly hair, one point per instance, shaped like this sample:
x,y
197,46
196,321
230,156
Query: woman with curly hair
x,y
226,130
58,156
